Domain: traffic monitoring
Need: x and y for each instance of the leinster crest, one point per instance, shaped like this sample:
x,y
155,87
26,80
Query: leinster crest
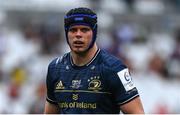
x,y
94,83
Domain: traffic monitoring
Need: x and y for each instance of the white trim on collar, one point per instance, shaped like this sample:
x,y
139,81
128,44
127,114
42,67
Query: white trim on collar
x,y
88,62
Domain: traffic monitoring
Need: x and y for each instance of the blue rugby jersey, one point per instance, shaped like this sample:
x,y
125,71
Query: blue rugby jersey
x,y
100,86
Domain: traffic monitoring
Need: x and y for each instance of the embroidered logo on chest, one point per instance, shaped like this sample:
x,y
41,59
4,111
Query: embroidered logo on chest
x,y
59,85
94,83
76,84
75,96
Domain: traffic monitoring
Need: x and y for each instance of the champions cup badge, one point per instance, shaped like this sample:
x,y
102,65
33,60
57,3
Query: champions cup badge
x,y
94,83
76,84
127,76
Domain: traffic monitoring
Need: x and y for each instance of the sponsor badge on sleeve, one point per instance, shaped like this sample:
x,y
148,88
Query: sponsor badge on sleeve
x,y
126,79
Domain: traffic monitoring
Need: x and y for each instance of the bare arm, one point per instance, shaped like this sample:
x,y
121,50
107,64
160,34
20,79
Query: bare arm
x,y
50,108
133,107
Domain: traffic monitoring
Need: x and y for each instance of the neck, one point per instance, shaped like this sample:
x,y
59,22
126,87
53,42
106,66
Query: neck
x,y
85,57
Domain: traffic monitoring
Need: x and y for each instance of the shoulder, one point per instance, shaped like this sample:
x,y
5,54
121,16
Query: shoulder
x,y
58,60
111,63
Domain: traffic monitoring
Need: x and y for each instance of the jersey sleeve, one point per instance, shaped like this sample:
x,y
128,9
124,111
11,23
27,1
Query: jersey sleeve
x,y
121,84
49,82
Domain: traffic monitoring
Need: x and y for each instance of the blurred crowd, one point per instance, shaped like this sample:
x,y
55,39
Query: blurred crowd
x,y
145,34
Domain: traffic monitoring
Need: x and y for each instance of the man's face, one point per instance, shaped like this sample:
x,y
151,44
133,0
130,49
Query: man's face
x,y
80,37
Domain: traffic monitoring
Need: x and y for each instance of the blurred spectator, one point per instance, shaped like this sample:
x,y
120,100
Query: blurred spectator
x,y
38,106
31,32
50,40
176,52
158,66
2,43
113,7
175,4
125,33
174,62
114,46
149,6
2,47
130,4
1,56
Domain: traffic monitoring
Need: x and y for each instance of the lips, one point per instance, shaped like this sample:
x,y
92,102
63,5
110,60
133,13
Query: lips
x,y
78,43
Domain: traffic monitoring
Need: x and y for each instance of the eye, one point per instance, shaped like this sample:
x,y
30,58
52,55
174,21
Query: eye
x,y
73,30
85,30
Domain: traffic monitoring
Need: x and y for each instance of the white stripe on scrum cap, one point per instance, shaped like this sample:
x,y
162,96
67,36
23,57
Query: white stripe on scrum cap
x,y
126,79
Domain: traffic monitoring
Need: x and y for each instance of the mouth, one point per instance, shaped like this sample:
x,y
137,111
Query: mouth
x,y
78,43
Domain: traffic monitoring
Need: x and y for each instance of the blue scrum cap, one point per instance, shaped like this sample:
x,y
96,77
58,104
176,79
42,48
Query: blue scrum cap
x,y
81,16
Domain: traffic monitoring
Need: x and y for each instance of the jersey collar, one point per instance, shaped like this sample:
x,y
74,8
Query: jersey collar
x,y
75,66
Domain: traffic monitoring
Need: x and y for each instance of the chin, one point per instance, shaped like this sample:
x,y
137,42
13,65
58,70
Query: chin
x,y
79,50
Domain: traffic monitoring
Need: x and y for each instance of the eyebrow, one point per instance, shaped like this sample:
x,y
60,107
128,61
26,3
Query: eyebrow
x,y
80,27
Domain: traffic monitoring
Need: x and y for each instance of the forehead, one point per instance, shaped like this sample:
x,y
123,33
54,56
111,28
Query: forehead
x,y
79,27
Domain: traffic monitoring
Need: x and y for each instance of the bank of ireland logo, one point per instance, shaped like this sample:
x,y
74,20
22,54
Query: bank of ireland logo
x,y
76,84
94,83
75,97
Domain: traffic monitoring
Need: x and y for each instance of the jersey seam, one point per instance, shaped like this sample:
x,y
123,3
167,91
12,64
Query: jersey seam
x,y
128,99
50,100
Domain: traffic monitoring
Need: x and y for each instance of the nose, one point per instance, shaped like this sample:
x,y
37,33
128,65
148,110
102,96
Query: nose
x,y
78,33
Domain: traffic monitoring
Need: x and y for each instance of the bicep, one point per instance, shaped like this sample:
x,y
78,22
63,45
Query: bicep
x,y
133,107
51,108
